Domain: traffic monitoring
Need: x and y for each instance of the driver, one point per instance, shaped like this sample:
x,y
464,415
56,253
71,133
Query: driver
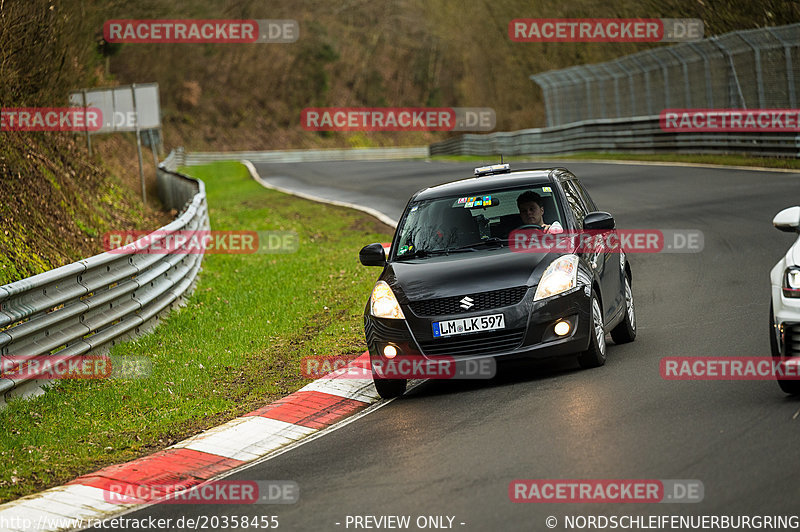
x,y
531,210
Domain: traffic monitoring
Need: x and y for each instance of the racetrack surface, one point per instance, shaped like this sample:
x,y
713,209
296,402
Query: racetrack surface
x,y
451,448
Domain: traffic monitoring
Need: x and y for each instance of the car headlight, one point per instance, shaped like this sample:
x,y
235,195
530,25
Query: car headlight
x,y
383,304
560,276
791,282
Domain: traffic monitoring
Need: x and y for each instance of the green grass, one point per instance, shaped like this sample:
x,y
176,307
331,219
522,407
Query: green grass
x,y
727,160
236,345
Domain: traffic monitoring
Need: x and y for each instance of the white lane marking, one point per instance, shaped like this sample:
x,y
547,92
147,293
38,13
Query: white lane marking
x,y
369,210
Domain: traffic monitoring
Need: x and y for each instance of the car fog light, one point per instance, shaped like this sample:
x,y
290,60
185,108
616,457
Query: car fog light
x,y
562,328
390,351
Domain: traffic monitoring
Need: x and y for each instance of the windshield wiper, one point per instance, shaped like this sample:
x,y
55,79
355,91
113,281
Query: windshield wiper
x,y
424,253
421,254
495,241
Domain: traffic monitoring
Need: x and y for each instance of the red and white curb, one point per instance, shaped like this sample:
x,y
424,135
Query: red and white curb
x,y
198,459
203,457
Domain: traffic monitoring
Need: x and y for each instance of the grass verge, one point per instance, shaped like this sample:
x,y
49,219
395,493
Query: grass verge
x,y
236,345
726,160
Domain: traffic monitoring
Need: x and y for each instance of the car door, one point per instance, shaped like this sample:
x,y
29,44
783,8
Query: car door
x,y
613,294
580,205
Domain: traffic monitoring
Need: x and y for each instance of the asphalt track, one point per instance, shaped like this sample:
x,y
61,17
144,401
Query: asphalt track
x,y
451,448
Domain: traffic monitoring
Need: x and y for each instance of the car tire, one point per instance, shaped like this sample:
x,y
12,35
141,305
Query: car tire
x,y
626,330
595,356
390,388
790,386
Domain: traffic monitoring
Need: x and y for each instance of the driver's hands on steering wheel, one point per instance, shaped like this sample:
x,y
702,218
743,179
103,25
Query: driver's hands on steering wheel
x,y
534,226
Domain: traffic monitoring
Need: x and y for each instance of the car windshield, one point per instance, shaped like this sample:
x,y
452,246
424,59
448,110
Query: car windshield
x,y
469,223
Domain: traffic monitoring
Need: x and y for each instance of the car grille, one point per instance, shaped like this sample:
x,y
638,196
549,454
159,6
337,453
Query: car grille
x,y
475,344
480,301
791,339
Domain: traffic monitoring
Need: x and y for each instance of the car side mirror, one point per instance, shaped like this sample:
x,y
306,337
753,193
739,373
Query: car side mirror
x,y
787,220
599,220
372,255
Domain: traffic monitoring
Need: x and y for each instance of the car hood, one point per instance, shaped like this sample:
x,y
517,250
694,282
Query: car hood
x,y
461,273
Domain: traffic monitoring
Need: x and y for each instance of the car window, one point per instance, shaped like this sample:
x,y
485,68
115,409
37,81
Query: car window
x,y
587,199
575,202
447,223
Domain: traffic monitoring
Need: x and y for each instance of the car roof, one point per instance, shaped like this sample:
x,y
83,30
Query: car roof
x,y
474,186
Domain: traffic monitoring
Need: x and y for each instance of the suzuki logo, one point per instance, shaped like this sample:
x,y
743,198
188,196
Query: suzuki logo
x,y
467,303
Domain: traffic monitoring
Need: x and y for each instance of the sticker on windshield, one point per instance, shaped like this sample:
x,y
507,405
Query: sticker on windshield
x,y
462,200
477,201
414,208
547,189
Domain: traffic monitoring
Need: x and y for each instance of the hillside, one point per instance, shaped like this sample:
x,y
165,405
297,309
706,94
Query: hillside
x,y
56,200
379,53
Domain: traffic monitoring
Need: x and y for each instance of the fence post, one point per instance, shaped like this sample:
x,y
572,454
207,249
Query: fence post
x,y
732,76
139,145
787,53
647,90
686,92
759,71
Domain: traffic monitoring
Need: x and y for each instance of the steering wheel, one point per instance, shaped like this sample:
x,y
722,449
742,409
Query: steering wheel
x,y
530,226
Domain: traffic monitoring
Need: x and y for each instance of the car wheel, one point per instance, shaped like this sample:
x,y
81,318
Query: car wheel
x,y
791,386
595,356
390,388
626,331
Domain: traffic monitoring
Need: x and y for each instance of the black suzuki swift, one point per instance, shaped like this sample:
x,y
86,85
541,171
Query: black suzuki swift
x,y
453,285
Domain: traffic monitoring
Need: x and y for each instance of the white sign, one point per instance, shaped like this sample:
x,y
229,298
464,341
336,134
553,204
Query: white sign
x,y
117,106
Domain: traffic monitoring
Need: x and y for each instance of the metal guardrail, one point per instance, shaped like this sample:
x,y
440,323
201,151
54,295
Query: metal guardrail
x,y
301,156
638,134
92,304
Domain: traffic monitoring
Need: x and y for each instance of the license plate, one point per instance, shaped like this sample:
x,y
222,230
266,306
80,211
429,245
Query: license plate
x,y
468,325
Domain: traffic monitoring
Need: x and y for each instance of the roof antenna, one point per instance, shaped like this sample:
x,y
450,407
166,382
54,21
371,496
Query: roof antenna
x,y
501,158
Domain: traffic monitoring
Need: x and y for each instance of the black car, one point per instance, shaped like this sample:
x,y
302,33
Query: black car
x,y
451,261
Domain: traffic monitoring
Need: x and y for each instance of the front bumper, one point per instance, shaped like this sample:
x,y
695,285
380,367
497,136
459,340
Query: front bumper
x,y
528,331
787,323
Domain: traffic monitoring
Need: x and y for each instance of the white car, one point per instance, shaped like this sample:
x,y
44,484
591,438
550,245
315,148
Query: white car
x,y
784,312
